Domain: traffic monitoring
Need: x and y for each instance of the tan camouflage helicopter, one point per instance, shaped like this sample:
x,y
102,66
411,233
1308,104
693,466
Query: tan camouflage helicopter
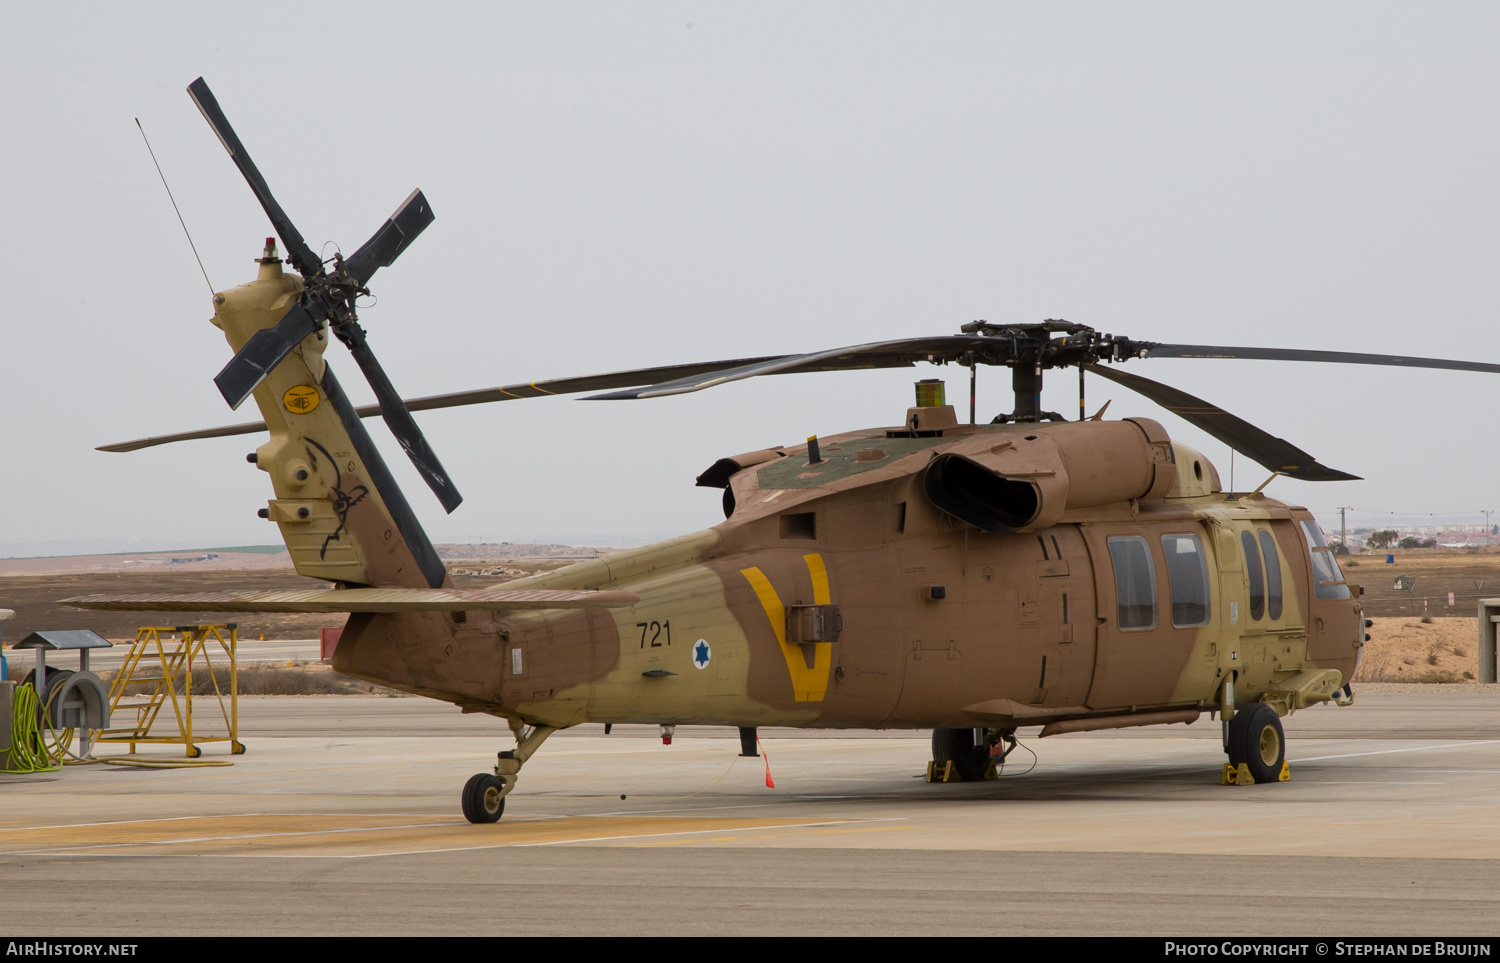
x,y
968,578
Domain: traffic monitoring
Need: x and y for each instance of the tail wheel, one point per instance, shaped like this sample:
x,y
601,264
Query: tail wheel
x,y
1256,739
957,746
483,799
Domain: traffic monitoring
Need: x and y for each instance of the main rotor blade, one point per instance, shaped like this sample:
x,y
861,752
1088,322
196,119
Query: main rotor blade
x,y
386,244
301,256
400,421
265,349
1277,454
875,354
1299,354
917,350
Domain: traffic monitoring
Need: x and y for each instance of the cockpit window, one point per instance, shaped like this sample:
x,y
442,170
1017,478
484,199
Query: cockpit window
x,y
1273,574
1328,581
1257,576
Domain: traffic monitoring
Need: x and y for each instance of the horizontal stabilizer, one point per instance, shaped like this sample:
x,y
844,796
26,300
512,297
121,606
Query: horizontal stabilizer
x,y
357,600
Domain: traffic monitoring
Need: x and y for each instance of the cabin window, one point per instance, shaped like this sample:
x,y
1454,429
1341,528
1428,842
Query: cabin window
x,y
1273,575
1135,582
1187,579
1257,576
1328,581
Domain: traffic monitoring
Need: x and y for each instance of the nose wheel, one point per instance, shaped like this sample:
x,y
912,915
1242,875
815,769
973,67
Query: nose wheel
x,y
484,798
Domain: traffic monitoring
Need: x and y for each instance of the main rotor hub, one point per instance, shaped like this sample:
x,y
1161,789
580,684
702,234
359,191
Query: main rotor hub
x,y
1032,345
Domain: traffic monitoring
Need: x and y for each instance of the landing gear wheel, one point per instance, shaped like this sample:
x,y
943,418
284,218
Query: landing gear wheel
x,y
482,800
957,746
1256,739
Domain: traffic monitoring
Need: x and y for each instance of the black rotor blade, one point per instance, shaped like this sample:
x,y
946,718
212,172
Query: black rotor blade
x,y
265,349
301,256
227,431
876,354
386,244
1277,454
1299,354
894,354
458,399
400,421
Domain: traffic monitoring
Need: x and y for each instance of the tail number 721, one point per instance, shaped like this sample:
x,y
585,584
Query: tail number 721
x,y
655,630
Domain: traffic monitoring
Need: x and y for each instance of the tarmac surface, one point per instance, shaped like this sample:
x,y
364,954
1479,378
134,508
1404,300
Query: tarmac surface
x,y
343,818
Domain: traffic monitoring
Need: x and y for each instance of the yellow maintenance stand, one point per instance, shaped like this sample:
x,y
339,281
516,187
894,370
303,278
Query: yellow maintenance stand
x,y
161,662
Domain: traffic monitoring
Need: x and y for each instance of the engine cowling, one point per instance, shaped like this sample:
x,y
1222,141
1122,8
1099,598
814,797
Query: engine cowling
x,y
1028,481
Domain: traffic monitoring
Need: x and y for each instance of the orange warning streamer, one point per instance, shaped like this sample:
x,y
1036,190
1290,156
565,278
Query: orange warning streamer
x,y
767,757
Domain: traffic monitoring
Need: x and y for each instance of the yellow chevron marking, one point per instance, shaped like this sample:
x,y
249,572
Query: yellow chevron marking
x,y
819,578
808,684
541,389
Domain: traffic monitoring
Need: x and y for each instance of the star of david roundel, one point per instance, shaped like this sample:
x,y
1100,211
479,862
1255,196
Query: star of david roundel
x,y
701,654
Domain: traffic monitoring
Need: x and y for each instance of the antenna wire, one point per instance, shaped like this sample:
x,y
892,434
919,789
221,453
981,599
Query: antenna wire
x,y
174,206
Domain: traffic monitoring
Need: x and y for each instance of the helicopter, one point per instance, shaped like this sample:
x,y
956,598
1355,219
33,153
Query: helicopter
x,y
968,578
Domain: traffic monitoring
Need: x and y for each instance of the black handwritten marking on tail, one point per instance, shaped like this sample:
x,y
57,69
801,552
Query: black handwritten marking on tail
x,y
433,569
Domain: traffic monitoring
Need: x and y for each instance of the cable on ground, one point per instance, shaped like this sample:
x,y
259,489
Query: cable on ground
x,y
1000,770
699,792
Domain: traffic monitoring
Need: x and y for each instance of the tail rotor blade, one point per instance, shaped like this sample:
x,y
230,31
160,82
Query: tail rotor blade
x,y
301,255
386,244
1277,454
400,421
265,349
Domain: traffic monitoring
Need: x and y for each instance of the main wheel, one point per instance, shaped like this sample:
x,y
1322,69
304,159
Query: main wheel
x,y
1256,739
482,800
957,746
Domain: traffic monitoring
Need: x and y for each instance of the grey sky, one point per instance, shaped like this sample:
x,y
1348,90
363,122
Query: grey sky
x,y
621,185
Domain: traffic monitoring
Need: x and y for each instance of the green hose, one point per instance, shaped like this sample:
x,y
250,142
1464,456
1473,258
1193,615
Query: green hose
x,y
28,753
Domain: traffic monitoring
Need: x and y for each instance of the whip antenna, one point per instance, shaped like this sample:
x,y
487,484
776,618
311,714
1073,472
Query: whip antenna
x,y
174,205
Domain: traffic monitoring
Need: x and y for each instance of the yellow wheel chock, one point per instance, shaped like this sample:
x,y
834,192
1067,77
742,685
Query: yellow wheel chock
x,y
1240,775
949,772
1236,776
946,774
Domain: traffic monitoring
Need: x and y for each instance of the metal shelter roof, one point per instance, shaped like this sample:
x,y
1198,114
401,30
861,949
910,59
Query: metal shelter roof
x,y
64,639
